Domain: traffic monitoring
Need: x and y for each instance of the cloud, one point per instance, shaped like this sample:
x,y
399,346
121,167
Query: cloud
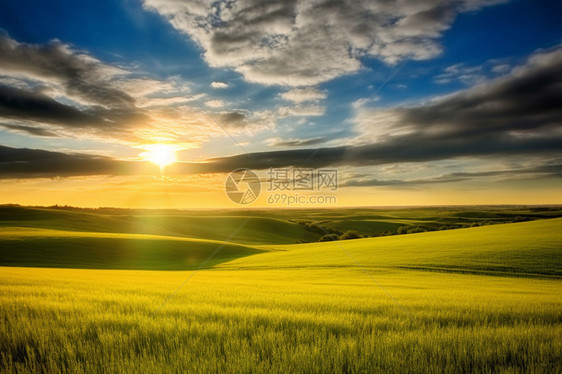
x,y
501,68
406,149
523,106
515,115
214,103
82,77
34,163
218,84
300,95
304,110
460,72
279,142
518,115
545,170
471,75
305,102
20,104
303,43
243,120
55,90
31,163
28,130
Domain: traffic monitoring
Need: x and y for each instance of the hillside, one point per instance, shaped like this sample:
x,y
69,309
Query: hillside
x,y
526,248
254,230
520,249
281,226
72,249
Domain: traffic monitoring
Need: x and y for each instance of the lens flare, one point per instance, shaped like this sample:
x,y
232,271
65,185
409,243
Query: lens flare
x,y
160,154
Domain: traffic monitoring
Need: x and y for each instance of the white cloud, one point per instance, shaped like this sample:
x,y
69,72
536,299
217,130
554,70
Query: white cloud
x,y
300,95
301,110
360,103
501,69
303,43
460,72
214,103
219,84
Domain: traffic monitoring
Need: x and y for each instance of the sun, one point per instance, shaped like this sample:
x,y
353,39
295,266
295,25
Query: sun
x,y
160,154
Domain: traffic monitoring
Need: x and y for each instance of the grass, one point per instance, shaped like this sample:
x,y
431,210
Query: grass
x,y
523,249
365,226
255,230
74,249
257,321
484,299
261,227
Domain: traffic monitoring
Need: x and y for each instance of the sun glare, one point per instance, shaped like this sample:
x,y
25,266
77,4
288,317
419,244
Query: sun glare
x,y
160,154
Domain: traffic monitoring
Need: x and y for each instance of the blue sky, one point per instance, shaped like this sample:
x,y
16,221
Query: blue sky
x,y
288,76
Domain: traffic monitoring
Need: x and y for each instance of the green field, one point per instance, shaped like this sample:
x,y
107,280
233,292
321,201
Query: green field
x,y
85,291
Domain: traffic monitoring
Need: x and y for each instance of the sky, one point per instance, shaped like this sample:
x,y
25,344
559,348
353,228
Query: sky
x,y
411,102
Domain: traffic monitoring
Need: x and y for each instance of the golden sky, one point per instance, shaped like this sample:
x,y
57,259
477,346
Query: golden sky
x,y
156,109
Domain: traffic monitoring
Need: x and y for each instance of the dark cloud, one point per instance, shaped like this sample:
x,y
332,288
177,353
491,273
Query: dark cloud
x,y
404,149
35,131
243,120
233,119
24,105
530,100
34,163
543,171
36,110
65,90
25,163
81,75
53,89
517,114
278,142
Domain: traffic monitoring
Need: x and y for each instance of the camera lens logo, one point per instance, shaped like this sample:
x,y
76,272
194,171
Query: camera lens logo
x,y
243,186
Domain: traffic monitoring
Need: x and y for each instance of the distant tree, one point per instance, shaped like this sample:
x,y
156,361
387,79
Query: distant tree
x,y
329,238
403,230
416,229
351,234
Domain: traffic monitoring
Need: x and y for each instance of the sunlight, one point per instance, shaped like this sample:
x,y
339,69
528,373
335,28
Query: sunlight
x,y
160,154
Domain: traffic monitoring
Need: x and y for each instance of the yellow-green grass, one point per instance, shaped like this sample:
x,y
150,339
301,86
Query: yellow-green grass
x,y
525,249
296,308
282,321
261,226
522,249
72,249
255,229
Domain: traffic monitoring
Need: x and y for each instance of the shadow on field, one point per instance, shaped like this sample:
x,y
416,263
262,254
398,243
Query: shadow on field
x,y
116,253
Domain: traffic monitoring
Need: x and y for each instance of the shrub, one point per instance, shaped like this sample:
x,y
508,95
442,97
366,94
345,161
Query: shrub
x,y
351,234
403,229
329,238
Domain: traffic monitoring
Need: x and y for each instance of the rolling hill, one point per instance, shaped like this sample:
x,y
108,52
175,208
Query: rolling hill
x,y
526,248
520,249
73,249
